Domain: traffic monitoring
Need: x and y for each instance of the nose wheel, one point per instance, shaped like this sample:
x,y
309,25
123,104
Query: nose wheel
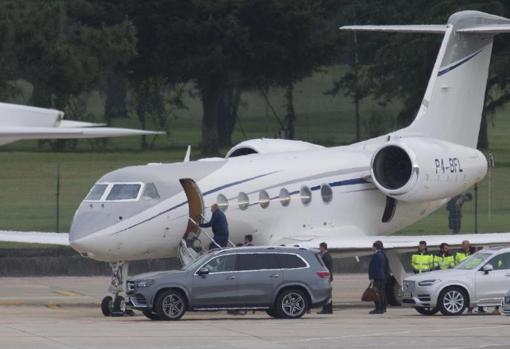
x,y
115,305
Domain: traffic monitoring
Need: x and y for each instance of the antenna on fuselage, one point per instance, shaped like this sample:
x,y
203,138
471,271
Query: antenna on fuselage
x,y
187,157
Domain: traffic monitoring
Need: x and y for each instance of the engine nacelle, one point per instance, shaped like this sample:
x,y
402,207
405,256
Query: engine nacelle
x,y
422,169
270,145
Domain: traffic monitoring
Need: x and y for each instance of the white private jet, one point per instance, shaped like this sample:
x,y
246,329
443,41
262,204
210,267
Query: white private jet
x,y
297,193
19,122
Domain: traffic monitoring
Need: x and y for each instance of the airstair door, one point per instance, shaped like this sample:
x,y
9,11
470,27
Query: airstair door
x,y
195,204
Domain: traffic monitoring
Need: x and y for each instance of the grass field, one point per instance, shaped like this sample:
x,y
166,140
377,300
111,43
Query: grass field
x,y
28,176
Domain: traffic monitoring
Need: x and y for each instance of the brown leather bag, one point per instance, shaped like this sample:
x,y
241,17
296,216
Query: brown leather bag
x,y
371,294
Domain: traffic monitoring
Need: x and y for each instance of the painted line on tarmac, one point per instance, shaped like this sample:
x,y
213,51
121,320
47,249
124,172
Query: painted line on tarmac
x,y
11,302
67,293
380,334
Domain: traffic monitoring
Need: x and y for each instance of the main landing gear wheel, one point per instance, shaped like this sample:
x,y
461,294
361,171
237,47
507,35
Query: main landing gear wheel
x,y
426,311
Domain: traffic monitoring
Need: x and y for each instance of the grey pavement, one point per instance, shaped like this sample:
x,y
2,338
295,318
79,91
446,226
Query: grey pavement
x,y
44,313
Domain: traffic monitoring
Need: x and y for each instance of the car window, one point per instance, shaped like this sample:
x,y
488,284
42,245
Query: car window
x,y
473,261
221,264
290,261
257,261
501,262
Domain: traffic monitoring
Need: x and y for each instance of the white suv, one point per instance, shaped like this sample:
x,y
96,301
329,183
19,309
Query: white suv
x,y
480,280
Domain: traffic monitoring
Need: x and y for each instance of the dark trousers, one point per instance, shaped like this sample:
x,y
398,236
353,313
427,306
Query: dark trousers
x,y
220,241
380,305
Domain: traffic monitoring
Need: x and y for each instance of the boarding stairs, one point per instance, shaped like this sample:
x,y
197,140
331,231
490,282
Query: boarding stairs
x,y
191,246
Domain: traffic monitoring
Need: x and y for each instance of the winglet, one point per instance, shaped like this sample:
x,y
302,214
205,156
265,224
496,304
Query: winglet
x,y
187,157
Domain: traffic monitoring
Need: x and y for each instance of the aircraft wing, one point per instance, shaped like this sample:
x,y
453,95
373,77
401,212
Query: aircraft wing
x,y
25,132
34,237
359,245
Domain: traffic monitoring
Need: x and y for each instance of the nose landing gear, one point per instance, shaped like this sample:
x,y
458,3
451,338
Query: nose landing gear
x,y
115,305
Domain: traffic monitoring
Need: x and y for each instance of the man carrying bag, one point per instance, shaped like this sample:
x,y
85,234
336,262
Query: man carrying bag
x,y
378,272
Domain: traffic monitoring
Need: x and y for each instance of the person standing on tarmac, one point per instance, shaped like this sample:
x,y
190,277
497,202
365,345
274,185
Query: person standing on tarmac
x,y
422,260
248,240
467,250
219,226
444,259
378,271
328,262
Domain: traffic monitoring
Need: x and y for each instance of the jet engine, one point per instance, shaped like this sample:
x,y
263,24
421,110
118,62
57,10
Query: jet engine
x,y
417,169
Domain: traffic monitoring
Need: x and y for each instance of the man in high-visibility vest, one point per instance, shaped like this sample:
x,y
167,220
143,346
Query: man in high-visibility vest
x,y
422,260
444,259
467,250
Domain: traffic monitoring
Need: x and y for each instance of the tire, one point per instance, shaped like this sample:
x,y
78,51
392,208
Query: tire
x,y
291,303
272,312
426,311
107,306
170,305
119,306
151,315
452,301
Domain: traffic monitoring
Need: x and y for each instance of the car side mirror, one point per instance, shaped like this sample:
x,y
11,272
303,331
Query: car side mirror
x,y
487,267
203,271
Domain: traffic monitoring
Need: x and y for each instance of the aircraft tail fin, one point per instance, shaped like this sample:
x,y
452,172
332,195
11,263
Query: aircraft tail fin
x,y
452,106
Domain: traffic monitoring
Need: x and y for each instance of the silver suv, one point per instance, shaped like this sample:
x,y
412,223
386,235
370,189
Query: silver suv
x,y
480,280
283,281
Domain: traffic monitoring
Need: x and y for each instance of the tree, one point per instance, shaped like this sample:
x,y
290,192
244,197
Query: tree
x,y
402,65
214,43
57,53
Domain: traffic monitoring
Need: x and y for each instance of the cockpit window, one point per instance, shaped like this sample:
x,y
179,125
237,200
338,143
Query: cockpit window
x,y
124,192
150,192
96,192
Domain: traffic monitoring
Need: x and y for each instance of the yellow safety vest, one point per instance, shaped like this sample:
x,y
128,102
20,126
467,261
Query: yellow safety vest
x,y
443,262
460,256
422,262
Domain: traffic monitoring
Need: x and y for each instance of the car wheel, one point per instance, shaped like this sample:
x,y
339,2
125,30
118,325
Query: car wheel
x,y
452,301
291,304
171,305
272,312
107,306
151,315
426,311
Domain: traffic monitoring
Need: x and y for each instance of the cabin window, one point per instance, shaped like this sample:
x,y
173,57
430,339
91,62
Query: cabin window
x,y
243,201
284,197
326,193
222,202
150,192
306,195
124,192
264,199
96,193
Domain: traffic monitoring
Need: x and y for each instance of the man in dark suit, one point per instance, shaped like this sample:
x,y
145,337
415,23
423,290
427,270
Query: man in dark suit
x,y
219,226
378,272
328,262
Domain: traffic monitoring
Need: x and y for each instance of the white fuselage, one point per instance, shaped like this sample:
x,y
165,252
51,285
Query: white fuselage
x,y
355,208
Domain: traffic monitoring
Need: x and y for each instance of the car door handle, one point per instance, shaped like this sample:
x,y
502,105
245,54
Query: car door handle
x,y
231,277
274,276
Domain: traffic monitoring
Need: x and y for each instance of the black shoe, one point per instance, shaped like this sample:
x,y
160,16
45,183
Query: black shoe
x,y
376,312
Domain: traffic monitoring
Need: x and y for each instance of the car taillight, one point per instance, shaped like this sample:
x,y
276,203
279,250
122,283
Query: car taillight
x,y
323,274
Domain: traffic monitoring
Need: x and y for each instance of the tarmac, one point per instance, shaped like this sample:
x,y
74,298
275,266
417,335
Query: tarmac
x,y
63,312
